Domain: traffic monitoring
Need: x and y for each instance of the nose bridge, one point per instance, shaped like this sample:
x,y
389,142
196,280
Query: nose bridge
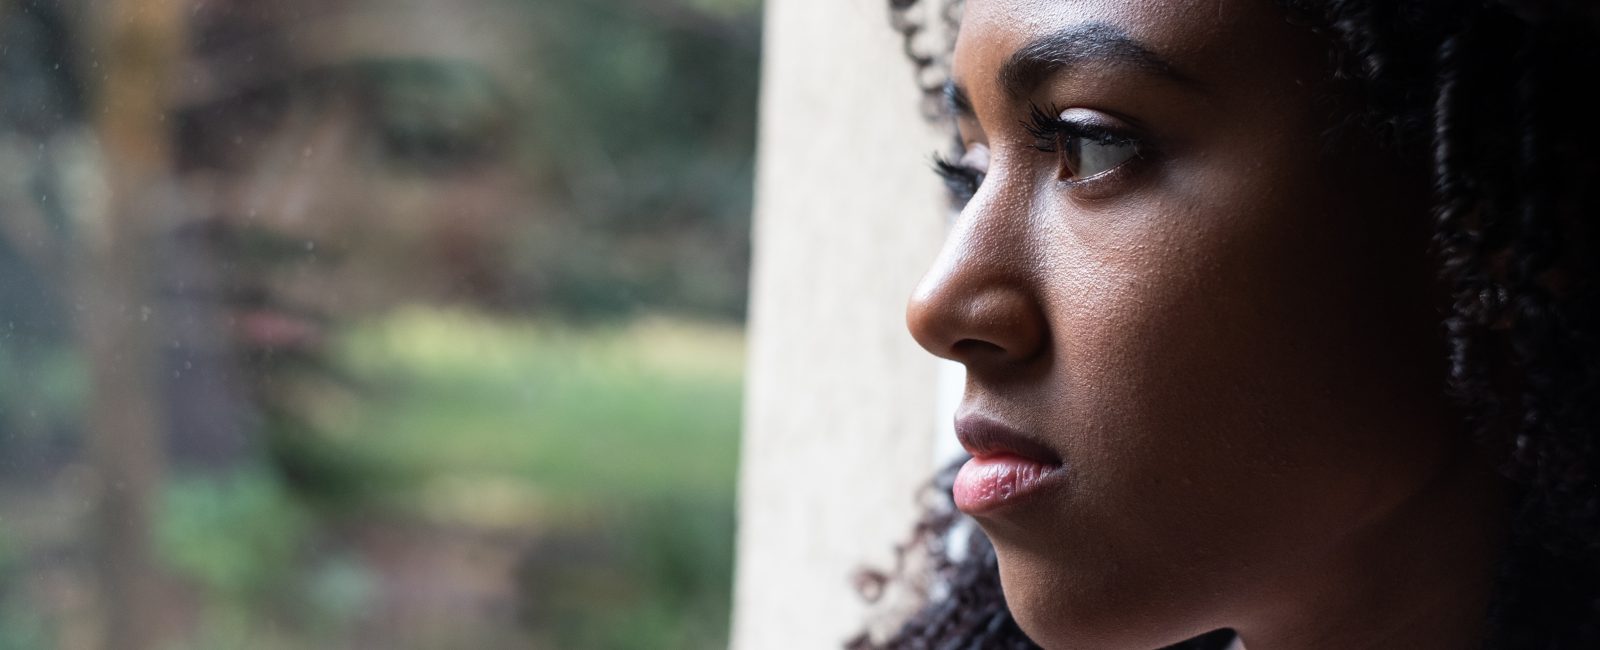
x,y
980,300
984,248
301,169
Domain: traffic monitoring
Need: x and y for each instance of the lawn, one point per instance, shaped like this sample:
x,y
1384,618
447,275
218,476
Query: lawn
x,y
614,447
580,415
481,481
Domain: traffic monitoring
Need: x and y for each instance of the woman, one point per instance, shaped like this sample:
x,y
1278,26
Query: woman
x,y
1267,347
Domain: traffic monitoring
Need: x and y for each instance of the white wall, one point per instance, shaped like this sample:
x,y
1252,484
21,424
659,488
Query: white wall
x,y
840,405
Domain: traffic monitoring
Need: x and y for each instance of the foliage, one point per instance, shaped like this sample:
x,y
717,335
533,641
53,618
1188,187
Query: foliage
x,y
654,404
608,450
236,535
619,442
20,625
658,576
643,130
42,388
611,449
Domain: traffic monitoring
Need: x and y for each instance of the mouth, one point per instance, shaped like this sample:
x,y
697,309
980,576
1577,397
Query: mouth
x,y
275,329
262,320
256,320
1006,466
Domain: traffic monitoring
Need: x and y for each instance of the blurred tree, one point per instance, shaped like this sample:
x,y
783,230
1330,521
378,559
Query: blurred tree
x,y
177,263
141,41
644,136
40,111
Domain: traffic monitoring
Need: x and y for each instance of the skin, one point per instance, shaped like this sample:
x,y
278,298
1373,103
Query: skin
x,y
1230,340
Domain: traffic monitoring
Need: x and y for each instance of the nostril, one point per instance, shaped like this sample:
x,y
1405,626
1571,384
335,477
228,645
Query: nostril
x,y
965,349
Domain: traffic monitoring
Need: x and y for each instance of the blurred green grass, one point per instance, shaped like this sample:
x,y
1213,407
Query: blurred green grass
x,y
617,445
598,461
592,414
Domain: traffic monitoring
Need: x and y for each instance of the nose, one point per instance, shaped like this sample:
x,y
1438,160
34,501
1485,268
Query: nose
x,y
979,304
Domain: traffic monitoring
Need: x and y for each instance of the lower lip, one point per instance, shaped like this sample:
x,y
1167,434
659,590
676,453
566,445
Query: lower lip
x,y
267,328
987,483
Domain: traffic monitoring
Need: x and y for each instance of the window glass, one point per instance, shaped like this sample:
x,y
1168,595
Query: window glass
x,y
377,324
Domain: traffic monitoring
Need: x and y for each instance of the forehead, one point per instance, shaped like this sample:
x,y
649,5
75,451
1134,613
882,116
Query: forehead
x,y
1211,40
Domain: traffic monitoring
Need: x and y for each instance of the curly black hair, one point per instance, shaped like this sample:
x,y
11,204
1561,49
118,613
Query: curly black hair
x,y
1475,90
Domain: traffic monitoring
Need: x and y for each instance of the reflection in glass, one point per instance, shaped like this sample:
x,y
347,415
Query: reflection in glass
x,y
411,324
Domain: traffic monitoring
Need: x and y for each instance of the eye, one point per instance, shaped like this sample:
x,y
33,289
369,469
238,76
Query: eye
x,y
963,175
1085,149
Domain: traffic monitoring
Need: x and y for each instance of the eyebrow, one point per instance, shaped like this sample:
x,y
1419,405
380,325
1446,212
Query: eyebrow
x,y
1052,54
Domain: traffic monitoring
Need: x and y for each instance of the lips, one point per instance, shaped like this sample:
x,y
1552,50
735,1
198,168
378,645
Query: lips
x,y
1006,466
222,269
256,319
277,330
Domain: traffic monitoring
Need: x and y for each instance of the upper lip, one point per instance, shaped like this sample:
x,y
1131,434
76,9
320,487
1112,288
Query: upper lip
x,y
982,437
246,299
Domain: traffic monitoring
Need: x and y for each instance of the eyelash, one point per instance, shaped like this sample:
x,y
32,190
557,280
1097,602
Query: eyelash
x,y
1050,133
962,181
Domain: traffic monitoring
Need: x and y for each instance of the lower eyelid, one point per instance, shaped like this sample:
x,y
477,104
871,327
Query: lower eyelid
x,y
976,158
1109,183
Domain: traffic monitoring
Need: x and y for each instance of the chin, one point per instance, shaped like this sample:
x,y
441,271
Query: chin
x,y
1093,608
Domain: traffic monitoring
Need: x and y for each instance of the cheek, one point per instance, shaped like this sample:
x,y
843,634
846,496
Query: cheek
x,y
1244,379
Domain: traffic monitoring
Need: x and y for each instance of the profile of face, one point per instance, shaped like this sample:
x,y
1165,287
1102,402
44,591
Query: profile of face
x,y
1204,365
345,171
330,173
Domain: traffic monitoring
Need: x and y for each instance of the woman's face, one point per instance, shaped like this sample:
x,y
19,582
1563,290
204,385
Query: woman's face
x,y
365,174
1175,285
